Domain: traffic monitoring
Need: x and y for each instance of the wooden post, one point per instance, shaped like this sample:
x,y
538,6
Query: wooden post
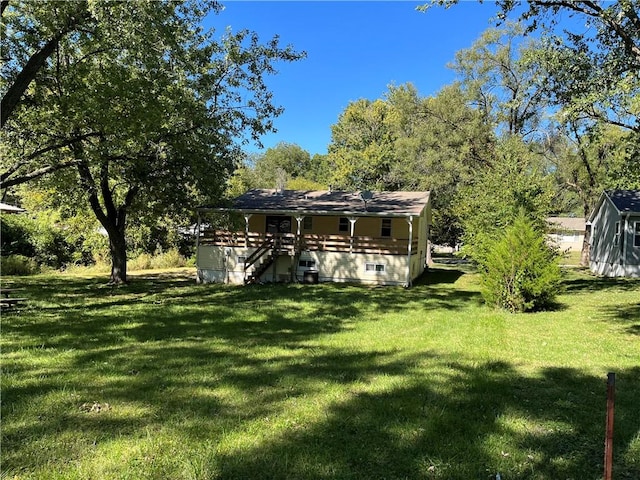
x,y
608,443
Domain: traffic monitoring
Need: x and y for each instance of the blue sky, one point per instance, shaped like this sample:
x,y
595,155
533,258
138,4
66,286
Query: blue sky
x,y
354,50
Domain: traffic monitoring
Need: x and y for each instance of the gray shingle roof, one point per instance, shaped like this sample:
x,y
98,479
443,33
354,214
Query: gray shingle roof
x,y
331,202
625,200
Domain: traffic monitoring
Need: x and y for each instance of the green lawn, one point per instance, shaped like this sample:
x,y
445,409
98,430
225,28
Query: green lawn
x,y
165,379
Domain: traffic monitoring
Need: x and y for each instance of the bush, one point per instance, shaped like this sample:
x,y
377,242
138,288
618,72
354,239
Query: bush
x,y
168,259
141,262
520,270
18,265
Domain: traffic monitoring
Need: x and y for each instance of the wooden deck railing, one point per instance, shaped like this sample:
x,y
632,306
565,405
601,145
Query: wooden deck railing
x,y
312,242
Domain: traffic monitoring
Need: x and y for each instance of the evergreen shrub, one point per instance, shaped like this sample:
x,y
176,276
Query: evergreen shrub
x,y
520,271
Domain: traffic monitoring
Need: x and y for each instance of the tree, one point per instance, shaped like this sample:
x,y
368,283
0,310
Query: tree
x,y
406,142
153,104
282,162
591,73
517,181
361,148
497,79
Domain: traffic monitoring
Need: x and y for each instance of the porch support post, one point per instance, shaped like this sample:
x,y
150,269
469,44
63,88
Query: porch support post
x,y
198,275
299,220
247,216
296,248
352,221
409,246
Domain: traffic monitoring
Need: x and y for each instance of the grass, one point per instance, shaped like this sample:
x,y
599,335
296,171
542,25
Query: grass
x,y
165,379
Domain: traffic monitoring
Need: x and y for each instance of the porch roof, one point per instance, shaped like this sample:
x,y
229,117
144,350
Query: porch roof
x,y
322,202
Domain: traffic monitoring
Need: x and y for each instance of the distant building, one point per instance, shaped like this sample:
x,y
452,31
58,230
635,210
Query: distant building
x,y
567,233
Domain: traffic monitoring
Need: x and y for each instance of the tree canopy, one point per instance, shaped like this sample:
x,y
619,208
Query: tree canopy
x,y
145,106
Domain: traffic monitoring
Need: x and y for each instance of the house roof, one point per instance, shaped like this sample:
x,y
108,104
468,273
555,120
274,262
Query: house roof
x,y
576,224
322,202
626,201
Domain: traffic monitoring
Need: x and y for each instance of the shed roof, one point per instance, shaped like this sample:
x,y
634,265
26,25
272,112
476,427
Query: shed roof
x,y
626,201
322,202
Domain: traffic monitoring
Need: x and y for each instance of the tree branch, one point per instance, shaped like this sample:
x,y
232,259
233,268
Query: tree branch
x,y
6,183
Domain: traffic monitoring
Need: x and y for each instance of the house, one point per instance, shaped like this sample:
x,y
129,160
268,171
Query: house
x,y
615,234
567,233
309,236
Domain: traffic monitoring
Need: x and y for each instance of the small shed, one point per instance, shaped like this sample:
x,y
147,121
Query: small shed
x,y
615,234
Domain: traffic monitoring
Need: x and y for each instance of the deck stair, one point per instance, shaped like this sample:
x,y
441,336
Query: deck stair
x,y
265,254
262,267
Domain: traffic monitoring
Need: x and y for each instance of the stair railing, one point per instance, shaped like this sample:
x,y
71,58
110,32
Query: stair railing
x,y
258,253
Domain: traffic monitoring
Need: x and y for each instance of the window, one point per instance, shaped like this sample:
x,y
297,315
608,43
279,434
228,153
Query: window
x,y
374,268
385,231
307,223
343,225
636,235
307,263
616,236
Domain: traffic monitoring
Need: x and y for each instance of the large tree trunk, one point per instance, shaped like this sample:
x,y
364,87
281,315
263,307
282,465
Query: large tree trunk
x,y
112,218
118,250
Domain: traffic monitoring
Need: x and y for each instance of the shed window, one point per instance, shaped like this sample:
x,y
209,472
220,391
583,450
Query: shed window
x,y
385,230
343,224
307,223
616,236
636,235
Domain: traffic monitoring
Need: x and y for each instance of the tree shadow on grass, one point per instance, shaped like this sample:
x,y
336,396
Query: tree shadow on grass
x,y
595,283
626,315
433,415
465,429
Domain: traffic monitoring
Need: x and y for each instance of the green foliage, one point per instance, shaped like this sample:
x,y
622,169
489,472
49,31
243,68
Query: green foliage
x,y
515,181
43,238
146,109
407,142
500,83
18,265
519,269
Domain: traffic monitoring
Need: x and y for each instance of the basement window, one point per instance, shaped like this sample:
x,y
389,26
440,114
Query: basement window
x,y
375,268
307,263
